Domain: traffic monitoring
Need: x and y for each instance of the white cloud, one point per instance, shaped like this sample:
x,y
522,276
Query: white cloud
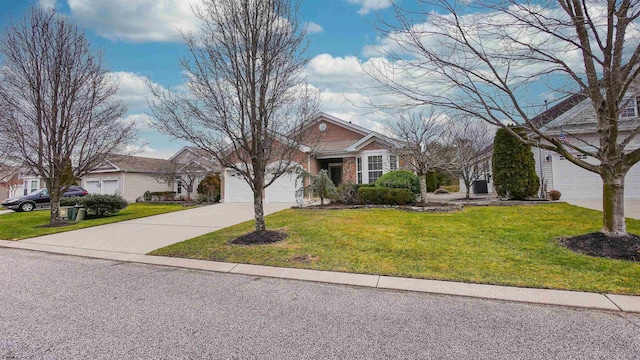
x,y
47,4
136,20
148,151
141,121
313,28
134,90
366,6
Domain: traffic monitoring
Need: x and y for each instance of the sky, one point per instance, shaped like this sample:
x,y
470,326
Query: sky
x,y
140,41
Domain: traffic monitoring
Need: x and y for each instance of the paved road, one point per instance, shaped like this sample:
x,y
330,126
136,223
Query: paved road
x,y
144,235
54,306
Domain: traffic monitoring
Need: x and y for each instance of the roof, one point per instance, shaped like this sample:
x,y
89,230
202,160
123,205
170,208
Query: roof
x,y
140,164
558,109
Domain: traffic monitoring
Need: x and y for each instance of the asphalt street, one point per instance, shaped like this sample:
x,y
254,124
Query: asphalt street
x,y
56,307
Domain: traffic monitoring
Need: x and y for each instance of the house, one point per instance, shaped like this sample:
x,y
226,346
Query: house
x,y
11,184
350,154
131,176
574,119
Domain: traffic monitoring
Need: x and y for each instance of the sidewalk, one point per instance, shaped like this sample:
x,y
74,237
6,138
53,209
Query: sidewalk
x,y
575,299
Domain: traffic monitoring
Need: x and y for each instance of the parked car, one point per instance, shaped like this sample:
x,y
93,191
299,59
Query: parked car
x,y
39,199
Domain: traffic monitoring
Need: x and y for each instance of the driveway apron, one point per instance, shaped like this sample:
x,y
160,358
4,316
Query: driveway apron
x,y
143,235
631,207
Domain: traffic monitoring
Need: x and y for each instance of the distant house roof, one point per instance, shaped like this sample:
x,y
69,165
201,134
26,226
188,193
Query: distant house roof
x,y
137,164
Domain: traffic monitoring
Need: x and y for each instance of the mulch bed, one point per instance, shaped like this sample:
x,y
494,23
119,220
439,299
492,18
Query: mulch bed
x,y
598,244
259,238
428,207
56,224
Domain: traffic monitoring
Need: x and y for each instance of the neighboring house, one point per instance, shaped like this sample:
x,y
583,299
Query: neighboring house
x,y
575,119
127,176
11,184
131,176
350,153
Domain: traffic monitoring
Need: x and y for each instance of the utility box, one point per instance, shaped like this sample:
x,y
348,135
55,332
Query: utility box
x,y
480,187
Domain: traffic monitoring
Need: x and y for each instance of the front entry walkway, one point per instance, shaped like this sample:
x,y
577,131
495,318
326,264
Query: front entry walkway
x,y
143,235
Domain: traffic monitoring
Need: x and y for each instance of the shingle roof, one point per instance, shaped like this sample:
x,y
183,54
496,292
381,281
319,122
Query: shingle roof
x,y
140,164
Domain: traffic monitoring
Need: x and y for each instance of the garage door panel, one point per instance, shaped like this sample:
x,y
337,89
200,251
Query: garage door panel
x,y
574,182
236,190
283,189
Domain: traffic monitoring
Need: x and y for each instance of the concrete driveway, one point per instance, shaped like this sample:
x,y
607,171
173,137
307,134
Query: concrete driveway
x,y
631,207
143,235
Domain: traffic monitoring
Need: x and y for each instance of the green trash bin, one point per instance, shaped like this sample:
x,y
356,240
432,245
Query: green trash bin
x,y
71,213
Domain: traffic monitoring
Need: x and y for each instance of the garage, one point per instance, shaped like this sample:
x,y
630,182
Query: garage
x,y
283,189
102,186
574,182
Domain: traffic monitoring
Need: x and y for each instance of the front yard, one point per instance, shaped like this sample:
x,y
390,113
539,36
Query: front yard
x,y
18,226
510,245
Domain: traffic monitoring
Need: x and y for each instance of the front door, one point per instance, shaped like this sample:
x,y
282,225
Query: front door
x,y
335,173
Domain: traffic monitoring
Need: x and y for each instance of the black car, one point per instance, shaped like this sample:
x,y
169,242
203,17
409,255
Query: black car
x,y
39,199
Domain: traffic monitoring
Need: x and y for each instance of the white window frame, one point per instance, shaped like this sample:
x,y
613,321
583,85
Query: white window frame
x,y
393,165
631,104
359,176
364,155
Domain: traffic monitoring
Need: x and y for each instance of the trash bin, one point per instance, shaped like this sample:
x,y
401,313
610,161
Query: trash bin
x,y
64,211
76,210
81,214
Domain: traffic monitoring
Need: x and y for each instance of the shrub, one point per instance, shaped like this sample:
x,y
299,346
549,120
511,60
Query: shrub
x,y
147,195
554,195
384,196
97,205
441,191
347,193
513,166
400,179
210,186
432,181
163,195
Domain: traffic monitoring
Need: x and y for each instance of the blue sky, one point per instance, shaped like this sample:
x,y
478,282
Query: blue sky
x,y
140,40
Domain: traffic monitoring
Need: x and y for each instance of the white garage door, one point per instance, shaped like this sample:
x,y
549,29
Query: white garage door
x,y
283,190
236,190
92,186
109,187
574,182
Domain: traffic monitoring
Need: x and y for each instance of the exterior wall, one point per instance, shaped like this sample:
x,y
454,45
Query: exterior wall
x,y
333,132
135,184
373,146
349,170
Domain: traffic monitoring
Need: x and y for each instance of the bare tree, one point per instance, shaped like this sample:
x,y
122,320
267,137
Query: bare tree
x,y
486,59
185,175
472,136
247,102
59,118
428,146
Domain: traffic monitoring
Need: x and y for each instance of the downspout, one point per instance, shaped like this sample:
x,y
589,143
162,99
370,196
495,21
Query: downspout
x,y
309,170
124,176
541,166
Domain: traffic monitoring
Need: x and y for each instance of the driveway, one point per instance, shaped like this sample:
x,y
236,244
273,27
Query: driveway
x,y
143,235
631,207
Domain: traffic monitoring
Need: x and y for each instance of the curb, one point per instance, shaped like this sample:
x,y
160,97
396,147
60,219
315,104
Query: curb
x,y
575,299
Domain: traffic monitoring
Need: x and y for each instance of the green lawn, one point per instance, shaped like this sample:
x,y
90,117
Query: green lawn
x,y
17,225
510,245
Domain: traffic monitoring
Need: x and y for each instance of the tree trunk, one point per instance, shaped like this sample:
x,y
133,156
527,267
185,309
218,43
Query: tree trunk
x,y
55,209
258,202
468,188
423,188
613,204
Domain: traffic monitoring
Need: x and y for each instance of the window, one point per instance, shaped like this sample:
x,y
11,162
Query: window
x,y
359,169
630,108
375,167
393,162
179,187
34,185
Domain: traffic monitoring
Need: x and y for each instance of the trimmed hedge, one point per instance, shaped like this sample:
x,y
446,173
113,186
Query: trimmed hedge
x,y
97,205
400,179
384,196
